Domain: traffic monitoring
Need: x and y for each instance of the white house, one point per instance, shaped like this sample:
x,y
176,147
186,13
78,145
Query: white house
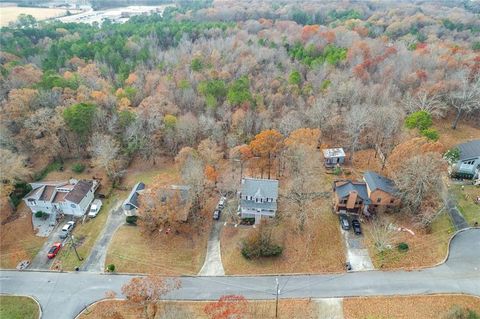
x,y
130,205
333,156
258,197
70,198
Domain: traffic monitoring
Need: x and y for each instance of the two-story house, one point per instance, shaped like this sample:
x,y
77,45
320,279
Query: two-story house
x,y
381,191
468,165
69,198
350,197
258,198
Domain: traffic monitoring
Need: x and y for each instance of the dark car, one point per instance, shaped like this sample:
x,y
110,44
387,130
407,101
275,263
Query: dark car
x,y
54,250
356,227
344,222
216,214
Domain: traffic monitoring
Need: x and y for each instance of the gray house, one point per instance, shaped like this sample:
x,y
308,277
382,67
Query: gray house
x,y
130,205
468,165
333,156
258,197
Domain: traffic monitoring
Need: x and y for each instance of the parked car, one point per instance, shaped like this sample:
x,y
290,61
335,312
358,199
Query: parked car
x,y
344,222
216,214
54,250
95,208
221,203
67,229
356,227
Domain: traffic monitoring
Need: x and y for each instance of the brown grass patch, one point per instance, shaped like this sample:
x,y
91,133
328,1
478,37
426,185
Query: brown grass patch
x,y
425,249
450,137
288,308
406,307
10,14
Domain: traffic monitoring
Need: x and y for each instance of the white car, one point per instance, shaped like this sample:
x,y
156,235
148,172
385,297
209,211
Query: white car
x,y
67,229
221,203
95,208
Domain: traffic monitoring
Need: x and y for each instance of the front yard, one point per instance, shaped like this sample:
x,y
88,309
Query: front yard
x,y
424,248
466,196
18,307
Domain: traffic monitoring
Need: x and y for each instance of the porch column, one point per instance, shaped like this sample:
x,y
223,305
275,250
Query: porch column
x,y
258,218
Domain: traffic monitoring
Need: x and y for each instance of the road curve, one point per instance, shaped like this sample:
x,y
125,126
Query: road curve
x,y
64,295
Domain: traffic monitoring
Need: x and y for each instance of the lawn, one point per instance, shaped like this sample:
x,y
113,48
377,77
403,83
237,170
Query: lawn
x,y
299,308
466,202
18,307
425,248
406,307
11,13
85,236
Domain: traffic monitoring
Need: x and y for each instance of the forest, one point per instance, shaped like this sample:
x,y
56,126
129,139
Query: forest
x,y
213,75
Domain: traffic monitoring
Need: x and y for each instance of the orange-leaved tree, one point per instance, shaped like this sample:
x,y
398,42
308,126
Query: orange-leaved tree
x,y
227,307
267,145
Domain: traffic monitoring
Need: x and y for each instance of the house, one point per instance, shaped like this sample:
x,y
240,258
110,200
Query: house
x,y
333,156
258,198
381,192
69,198
130,205
468,165
350,197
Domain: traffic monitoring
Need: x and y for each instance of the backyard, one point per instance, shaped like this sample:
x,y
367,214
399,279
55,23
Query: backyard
x,y
466,196
18,307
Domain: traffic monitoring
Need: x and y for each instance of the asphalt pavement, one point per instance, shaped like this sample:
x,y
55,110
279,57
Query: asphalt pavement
x,y
64,295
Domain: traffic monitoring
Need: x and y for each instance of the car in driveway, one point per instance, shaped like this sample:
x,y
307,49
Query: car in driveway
x,y
67,229
221,203
216,214
54,250
95,208
356,227
344,222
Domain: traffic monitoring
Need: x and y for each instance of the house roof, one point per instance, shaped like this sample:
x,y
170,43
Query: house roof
x,y
469,150
79,191
132,199
256,187
333,152
343,190
253,205
375,181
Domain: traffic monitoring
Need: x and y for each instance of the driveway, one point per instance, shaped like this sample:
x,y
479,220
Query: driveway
x,y
95,262
213,260
457,218
64,295
357,253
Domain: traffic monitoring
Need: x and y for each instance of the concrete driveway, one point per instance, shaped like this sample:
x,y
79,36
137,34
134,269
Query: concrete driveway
x,y
64,295
356,254
213,260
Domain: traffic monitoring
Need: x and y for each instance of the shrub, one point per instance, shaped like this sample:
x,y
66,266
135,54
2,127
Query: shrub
x,y
55,166
111,267
337,170
430,133
402,247
457,312
40,214
132,220
21,189
197,64
78,168
260,244
420,119
295,78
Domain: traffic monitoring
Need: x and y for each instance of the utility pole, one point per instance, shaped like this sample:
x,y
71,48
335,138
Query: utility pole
x,y
75,248
277,292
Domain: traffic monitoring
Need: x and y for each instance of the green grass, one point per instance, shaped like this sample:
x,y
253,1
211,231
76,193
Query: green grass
x,y
466,202
88,233
13,307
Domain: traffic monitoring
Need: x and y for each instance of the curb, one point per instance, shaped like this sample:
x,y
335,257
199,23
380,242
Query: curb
x,y
40,311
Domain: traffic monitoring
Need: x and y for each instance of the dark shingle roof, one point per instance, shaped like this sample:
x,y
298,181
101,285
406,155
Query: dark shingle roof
x,y
266,188
79,191
132,199
349,186
469,150
253,205
375,181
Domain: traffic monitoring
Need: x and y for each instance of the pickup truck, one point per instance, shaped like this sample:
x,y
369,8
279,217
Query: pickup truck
x,y
95,208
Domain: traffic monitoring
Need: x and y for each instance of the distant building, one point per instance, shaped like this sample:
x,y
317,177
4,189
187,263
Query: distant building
x,y
130,205
69,198
333,157
468,165
258,198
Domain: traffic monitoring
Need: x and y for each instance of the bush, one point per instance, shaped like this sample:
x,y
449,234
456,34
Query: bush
x,y
430,133
337,170
457,312
40,214
21,189
132,220
78,168
111,268
260,244
402,247
420,119
55,166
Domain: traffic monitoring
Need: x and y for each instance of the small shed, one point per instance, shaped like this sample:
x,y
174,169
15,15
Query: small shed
x,y
333,156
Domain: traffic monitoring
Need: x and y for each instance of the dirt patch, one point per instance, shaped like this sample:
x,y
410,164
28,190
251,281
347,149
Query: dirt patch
x,y
300,308
406,307
10,14
450,137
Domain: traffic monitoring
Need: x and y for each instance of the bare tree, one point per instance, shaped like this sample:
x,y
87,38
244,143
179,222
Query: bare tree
x,y
423,101
466,98
383,234
13,166
357,120
106,154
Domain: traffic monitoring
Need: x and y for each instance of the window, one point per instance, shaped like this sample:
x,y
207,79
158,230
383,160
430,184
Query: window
x,y
379,200
73,205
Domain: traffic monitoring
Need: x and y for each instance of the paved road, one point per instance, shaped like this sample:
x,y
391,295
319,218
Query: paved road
x,y
63,295
96,260
213,260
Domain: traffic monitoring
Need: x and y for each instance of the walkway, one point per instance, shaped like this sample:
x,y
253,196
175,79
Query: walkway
x,y
457,218
213,260
96,260
64,295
